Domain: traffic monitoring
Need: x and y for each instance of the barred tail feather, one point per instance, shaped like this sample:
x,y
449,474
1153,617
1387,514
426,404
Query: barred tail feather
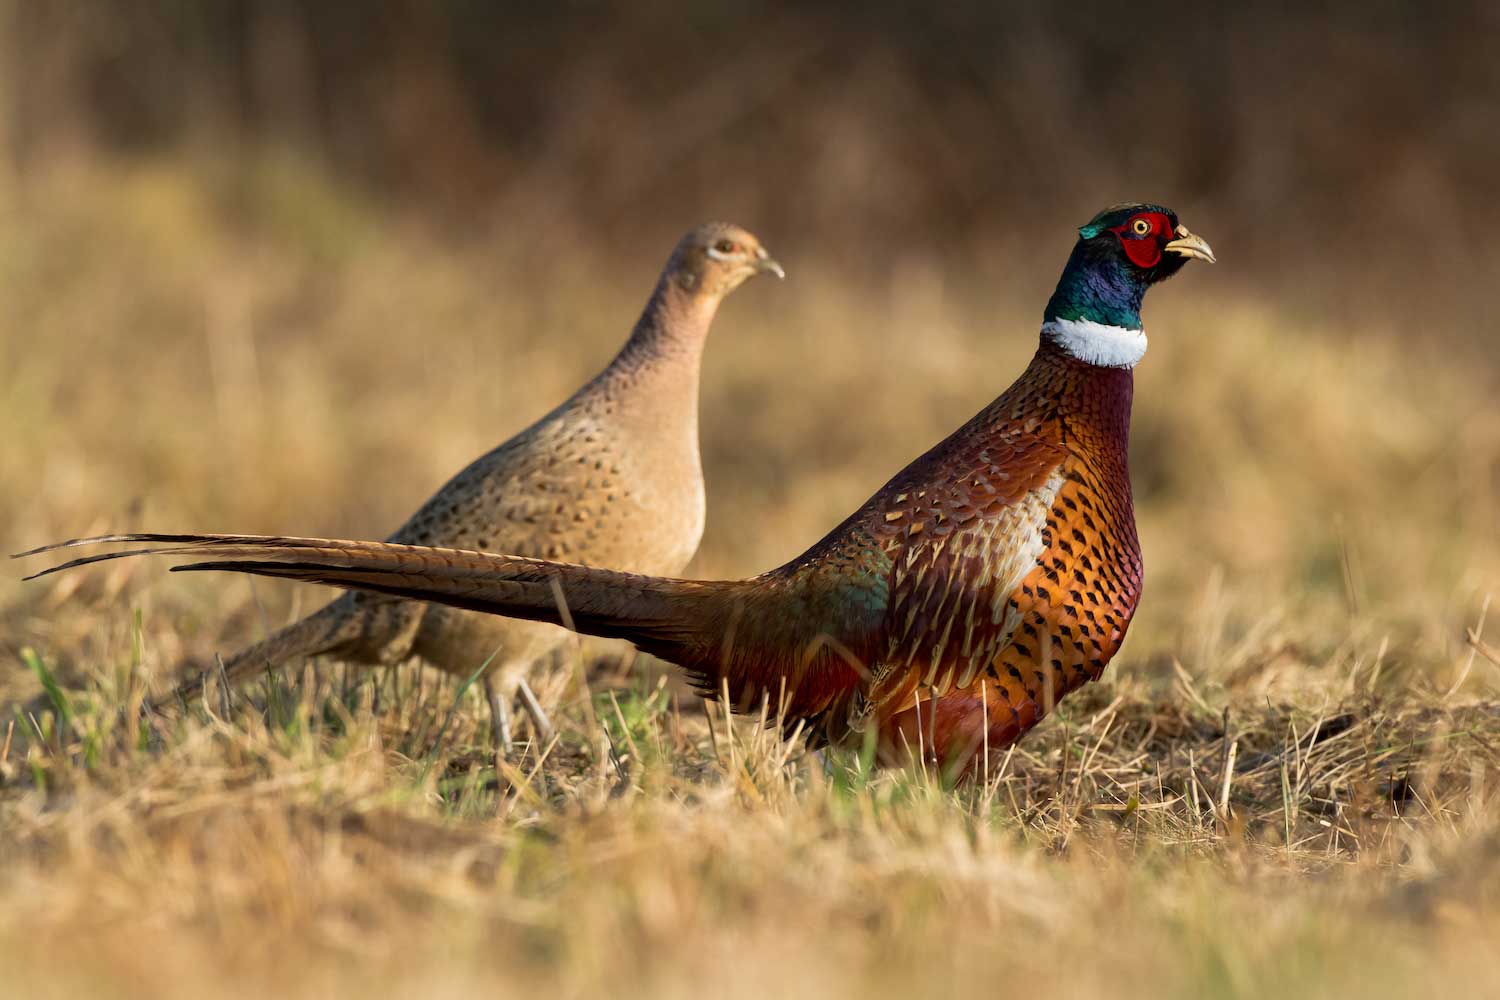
x,y
741,638
670,618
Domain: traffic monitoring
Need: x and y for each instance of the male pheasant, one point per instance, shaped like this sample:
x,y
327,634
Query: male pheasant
x,y
989,578
611,477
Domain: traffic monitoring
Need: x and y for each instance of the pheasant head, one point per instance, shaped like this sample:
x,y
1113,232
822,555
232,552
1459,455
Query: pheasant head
x,y
715,258
1095,313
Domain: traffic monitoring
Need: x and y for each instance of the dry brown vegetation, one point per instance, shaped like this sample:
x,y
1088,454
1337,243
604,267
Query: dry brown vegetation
x,y
1288,781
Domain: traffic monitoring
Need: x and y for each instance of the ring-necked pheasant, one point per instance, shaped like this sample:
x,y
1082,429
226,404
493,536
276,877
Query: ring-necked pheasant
x,y
988,579
612,477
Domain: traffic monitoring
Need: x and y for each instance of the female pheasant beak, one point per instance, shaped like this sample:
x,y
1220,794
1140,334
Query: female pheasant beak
x,y
1189,245
766,264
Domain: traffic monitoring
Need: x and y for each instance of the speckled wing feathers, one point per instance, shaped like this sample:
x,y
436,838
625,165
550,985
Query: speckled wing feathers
x,y
1067,614
563,488
960,546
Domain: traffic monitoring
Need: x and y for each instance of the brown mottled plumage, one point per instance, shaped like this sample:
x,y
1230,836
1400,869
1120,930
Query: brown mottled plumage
x,y
995,574
611,477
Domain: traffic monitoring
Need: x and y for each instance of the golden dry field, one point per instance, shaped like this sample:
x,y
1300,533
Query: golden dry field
x,y
284,267
1288,781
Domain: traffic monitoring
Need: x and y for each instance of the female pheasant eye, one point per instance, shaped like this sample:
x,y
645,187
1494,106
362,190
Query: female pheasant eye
x,y
1142,227
725,246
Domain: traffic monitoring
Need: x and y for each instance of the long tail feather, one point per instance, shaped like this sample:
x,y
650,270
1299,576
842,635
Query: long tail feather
x,y
748,638
661,615
170,544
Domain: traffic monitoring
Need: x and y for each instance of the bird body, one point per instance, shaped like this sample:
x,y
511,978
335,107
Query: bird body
x,y
610,477
990,577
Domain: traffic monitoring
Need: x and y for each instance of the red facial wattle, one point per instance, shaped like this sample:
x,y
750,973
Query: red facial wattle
x,y
1144,250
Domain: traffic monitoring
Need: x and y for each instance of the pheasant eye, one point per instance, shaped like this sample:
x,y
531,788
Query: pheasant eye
x,y
724,246
1142,226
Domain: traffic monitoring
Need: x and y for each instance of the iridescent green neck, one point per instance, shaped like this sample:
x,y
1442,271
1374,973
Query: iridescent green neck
x,y
1098,288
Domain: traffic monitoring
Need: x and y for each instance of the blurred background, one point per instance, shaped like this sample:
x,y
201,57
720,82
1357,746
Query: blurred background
x,y
283,266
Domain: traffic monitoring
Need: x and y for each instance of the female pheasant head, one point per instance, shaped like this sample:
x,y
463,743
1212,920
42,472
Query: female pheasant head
x,y
1095,313
715,258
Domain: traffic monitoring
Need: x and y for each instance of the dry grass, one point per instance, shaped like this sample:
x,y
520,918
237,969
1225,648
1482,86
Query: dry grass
x,y
1287,782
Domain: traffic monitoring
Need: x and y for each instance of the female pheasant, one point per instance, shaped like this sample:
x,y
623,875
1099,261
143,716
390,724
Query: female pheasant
x,y
609,477
989,578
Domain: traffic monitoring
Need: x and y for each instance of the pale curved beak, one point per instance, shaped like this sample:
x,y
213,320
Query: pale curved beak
x,y
1190,246
766,264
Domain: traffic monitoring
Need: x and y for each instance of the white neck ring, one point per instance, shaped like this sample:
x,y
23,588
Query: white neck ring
x,y
1097,343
